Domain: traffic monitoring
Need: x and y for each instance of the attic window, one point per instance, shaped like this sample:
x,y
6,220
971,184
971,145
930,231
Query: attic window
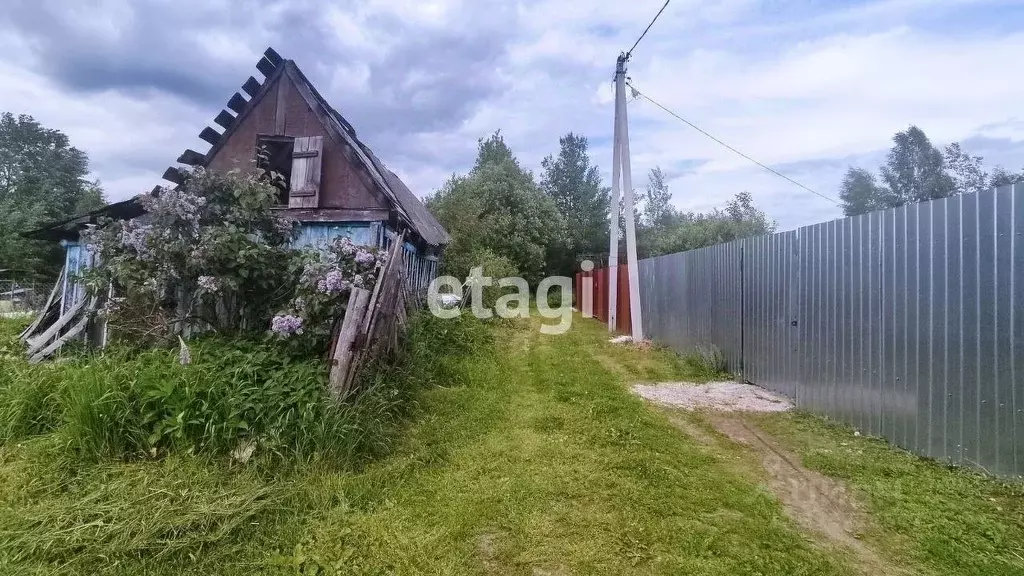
x,y
274,157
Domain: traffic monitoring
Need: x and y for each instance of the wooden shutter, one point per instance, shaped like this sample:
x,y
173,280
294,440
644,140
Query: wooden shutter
x,y
305,183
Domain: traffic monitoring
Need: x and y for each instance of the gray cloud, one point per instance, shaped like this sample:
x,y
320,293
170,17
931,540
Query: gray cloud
x,y
422,81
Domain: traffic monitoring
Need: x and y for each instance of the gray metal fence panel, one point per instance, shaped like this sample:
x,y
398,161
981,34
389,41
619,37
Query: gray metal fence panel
x,y
904,323
694,298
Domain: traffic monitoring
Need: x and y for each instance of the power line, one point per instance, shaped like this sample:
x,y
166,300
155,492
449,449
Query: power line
x,y
702,131
630,51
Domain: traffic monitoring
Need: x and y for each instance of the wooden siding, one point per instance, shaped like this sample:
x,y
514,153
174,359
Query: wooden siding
x,y
420,267
343,184
320,233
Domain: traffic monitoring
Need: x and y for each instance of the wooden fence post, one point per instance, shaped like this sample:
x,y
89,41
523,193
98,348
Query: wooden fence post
x,y
344,352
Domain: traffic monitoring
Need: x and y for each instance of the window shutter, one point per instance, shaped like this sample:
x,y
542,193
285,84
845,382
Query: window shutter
x,y
305,182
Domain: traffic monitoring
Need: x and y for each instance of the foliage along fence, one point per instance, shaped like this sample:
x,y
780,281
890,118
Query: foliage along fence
x,y
905,323
595,282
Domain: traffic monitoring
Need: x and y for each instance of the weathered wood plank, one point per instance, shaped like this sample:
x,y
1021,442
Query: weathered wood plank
x,y
333,214
344,350
172,174
251,86
210,135
225,119
280,112
237,103
265,66
273,56
37,343
191,158
305,181
72,333
46,308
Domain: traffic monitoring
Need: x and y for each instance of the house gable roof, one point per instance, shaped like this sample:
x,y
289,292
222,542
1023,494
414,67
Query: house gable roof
x,y
408,208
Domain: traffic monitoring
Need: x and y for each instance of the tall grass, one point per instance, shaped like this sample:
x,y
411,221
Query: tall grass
x,y
238,399
121,462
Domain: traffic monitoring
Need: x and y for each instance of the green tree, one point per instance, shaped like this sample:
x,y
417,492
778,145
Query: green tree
x,y
657,199
968,172
42,178
681,231
1000,177
497,213
860,192
574,184
915,170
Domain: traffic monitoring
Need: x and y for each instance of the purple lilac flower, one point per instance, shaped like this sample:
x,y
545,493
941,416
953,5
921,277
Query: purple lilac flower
x,y
286,325
178,204
209,283
346,247
135,236
365,258
333,283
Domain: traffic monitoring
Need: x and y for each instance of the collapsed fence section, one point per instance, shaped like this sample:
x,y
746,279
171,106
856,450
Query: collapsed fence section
x,y
906,323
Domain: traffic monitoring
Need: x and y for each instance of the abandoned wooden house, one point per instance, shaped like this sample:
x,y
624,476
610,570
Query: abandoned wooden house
x,y
334,186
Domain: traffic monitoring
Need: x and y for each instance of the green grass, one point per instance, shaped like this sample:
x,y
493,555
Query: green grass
x,y
944,520
544,463
520,454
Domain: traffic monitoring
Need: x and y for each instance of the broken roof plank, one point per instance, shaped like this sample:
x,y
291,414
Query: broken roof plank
x,y
191,158
237,103
172,174
210,135
225,119
251,86
273,56
265,66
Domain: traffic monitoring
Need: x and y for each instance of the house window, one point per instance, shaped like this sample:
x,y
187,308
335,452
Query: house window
x,y
274,156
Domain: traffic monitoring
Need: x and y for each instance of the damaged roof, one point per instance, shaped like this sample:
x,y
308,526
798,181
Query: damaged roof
x,y
408,208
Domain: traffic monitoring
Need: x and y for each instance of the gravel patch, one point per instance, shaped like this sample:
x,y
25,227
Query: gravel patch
x,y
720,396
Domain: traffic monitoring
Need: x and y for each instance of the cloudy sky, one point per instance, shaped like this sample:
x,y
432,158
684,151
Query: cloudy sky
x,y
808,87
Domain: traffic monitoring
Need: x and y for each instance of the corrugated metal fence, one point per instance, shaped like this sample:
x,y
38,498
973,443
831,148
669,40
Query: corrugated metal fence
x,y
906,323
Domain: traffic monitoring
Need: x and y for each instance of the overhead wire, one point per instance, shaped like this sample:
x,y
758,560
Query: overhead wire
x,y
728,147
630,51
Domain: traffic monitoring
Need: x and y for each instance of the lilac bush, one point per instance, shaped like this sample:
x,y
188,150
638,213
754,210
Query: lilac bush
x,y
213,255
328,275
197,259
286,325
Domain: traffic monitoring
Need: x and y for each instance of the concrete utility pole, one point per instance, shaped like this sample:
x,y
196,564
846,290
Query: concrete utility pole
x,y
621,168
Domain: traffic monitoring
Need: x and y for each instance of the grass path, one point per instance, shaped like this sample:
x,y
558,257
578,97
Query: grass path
x,y
535,459
545,464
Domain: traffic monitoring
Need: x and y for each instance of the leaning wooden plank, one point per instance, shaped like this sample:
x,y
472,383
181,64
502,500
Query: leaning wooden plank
x,y
72,333
46,308
380,282
34,344
344,350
